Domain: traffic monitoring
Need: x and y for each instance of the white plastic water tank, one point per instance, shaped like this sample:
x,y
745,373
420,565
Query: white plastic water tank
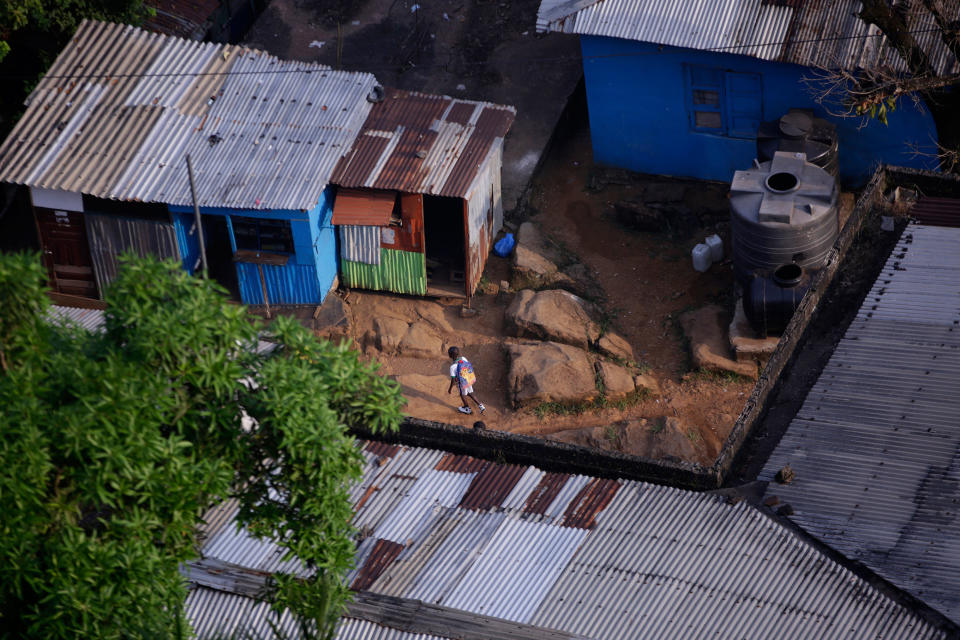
x,y
715,243
701,257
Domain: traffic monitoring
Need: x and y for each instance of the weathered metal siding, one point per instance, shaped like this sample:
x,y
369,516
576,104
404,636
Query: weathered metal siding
x,y
419,143
89,319
290,284
484,215
120,108
816,34
398,271
188,240
360,243
109,236
876,444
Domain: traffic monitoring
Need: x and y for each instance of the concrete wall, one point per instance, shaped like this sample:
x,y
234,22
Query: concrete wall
x,y
638,100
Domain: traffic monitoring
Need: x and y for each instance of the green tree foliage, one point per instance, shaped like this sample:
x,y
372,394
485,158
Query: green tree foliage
x,y
58,19
115,442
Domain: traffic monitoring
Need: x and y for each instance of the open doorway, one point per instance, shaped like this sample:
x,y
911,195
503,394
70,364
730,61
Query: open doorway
x,y
220,254
444,240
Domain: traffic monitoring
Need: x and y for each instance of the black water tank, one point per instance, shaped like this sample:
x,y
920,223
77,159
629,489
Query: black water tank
x,y
770,299
782,211
799,131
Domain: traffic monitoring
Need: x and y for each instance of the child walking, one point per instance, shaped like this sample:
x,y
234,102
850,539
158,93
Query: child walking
x,y
461,373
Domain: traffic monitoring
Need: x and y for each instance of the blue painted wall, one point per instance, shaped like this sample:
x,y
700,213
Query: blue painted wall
x,y
307,276
324,240
638,96
188,240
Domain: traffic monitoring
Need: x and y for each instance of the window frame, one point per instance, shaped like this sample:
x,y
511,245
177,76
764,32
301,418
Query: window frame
x,y
716,80
285,228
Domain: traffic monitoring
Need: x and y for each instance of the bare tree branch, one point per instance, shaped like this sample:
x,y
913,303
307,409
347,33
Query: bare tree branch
x,y
894,25
949,29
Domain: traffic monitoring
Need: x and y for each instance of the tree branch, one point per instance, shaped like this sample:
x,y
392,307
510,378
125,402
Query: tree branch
x,y
894,26
949,30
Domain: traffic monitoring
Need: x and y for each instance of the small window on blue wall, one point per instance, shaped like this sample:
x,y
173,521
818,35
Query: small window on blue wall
x,y
724,102
255,234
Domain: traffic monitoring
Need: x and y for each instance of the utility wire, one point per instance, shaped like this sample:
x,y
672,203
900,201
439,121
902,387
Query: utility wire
x,y
199,74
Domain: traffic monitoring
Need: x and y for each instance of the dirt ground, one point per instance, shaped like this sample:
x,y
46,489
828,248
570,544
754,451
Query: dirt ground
x,y
643,281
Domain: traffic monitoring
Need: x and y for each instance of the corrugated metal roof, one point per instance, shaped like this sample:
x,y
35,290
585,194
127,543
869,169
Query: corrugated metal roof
x,y
182,18
876,444
940,212
120,108
89,319
819,34
418,143
605,559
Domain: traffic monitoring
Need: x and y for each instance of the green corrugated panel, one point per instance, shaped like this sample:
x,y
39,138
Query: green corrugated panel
x,y
398,271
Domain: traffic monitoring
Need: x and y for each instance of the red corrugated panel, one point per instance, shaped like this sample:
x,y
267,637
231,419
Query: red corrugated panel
x,y
184,18
413,117
545,492
491,486
368,208
938,212
384,552
461,112
492,124
460,464
361,160
592,499
382,449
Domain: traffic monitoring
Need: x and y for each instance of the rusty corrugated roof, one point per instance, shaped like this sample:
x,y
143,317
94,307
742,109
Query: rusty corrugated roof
x,y
365,208
939,212
181,18
418,143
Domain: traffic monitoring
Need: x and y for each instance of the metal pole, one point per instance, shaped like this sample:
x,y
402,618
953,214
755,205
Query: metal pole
x,y
196,213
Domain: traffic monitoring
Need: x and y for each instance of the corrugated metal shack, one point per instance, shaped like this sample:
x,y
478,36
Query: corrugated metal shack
x,y
678,87
418,203
107,131
592,557
875,447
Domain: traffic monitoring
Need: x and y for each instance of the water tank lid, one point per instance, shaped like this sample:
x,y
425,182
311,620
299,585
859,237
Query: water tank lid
x,y
796,124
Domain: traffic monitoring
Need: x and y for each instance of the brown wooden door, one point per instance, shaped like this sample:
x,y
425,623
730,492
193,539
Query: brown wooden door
x,y
66,252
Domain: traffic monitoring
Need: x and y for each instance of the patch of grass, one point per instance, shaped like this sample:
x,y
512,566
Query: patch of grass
x,y
545,409
610,433
721,377
658,425
693,435
632,399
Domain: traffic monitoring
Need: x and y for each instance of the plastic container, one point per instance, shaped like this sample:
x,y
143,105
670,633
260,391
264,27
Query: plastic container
x,y
783,211
504,246
769,301
701,257
715,243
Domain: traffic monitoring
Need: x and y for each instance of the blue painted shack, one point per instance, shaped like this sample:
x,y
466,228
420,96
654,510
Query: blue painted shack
x,y
678,87
103,144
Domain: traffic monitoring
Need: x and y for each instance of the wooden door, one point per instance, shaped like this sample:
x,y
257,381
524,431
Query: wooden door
x,y
66,252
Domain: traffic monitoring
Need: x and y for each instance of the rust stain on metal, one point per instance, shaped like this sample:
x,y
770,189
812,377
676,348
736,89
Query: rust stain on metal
x,y
545,493
366,496
460,464
492,124
582,511
937,212
420,121
382,448
383,553
491,486
461,112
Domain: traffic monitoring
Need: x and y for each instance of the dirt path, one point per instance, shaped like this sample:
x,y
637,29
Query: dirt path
x,y
644,280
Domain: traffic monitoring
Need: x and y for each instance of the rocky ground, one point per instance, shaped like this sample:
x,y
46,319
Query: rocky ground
x,y
587,343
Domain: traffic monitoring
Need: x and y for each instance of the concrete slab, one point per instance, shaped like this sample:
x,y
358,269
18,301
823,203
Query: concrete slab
x,y
475,50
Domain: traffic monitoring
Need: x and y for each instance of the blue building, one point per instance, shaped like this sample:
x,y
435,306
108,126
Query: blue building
x,y
104,153
678,87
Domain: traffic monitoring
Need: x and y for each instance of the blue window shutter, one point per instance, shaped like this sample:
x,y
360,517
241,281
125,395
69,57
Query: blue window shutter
x,y
744,104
